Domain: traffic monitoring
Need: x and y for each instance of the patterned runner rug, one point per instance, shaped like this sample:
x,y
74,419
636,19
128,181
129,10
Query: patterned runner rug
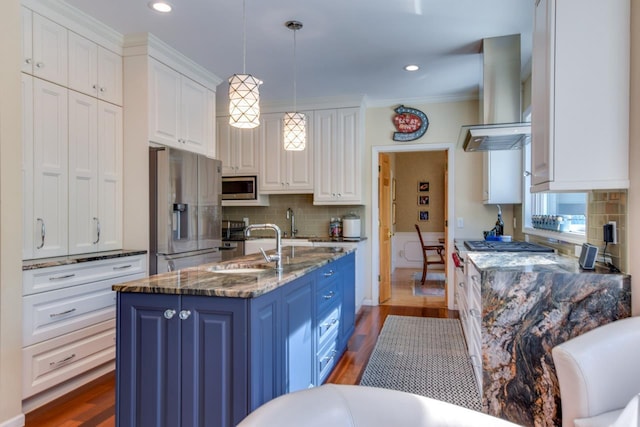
x,y
424,356
433,284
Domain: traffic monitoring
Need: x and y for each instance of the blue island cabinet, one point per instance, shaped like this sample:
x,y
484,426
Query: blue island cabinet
x,y
208,361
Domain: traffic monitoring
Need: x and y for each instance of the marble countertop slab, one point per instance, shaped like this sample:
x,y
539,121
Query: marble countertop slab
x,y
77,259
205,281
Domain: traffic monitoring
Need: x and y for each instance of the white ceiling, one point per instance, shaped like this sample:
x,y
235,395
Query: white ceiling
x,y
346,47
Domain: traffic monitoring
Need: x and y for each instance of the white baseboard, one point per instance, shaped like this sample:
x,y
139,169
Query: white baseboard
x,y
17,421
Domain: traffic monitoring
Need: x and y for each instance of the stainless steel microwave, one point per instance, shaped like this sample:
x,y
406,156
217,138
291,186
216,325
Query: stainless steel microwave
x,y
239,187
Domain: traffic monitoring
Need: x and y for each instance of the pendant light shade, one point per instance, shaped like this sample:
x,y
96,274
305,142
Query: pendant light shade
x,y
295,124
295,131
244,101
244,95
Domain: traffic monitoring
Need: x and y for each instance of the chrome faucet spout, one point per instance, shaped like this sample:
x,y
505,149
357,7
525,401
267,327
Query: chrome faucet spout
x,y
278,255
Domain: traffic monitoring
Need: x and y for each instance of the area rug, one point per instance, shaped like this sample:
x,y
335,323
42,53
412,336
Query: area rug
x,y
424,356
433,284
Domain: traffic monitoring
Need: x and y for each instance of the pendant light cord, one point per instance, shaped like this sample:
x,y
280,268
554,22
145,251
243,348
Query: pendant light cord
x,y
295,109
244,37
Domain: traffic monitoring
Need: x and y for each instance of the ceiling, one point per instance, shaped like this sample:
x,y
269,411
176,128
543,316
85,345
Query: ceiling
x,y
347,48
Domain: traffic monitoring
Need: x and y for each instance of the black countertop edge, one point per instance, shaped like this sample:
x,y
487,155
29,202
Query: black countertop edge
x,y
34,264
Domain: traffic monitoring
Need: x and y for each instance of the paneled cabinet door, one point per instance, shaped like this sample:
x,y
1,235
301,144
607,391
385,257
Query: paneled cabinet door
x,y
109,76
50,51
164,114
27,167
195,115
26,16
238,149
50,167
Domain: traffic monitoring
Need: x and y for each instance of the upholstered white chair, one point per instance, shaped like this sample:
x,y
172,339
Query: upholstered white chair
x,y
599,376
359,406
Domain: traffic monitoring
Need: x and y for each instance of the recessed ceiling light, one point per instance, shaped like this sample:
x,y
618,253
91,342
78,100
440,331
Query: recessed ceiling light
x,y
411,67
160,6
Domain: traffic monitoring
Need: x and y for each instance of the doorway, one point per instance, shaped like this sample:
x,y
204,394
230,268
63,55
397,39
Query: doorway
x,y
382,184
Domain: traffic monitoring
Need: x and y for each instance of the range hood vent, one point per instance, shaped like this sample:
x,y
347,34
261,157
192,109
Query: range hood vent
x,y
500,100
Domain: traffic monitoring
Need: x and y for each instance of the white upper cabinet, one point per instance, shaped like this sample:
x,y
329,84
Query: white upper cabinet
x,y
580,102
26,16
238,149
94,70
338,157
502,177
27,167
284,171
49,49
182,112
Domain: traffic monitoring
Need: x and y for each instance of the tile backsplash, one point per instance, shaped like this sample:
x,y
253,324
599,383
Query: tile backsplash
x,y
311,220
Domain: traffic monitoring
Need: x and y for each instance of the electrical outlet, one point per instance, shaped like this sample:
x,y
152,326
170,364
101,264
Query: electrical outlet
x,y
515,223
614,241
460,222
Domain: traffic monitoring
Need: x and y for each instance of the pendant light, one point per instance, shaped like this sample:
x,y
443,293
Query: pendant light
x,y
295,124
244,97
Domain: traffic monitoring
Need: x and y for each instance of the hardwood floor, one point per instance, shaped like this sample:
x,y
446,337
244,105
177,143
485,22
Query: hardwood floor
x,y
94,404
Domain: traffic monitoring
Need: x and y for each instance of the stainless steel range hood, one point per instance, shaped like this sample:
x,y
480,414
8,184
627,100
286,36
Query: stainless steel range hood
x,y
499,100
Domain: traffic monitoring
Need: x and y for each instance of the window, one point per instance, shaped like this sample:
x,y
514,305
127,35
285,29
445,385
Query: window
x,y
549,214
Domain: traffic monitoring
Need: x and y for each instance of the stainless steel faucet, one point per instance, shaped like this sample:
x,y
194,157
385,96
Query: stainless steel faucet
x,y
278,255
292,218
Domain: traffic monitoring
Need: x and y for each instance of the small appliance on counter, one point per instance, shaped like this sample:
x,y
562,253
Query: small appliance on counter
x,y
232,239
351,226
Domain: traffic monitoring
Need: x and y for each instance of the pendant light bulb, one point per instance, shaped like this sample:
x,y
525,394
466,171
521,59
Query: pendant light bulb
x,y
295,124
244,94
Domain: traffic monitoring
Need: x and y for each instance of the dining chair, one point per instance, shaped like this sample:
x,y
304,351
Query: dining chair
x,y
438,258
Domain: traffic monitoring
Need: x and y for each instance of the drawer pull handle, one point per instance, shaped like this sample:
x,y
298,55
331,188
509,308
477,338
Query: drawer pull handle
x,y
54,315
60,362
43,233
475,278
329,273
474,312
330,295
122,267
330,358
66,276
184,314
461,284
169,313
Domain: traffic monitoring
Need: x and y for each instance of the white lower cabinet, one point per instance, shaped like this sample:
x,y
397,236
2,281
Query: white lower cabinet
x,y
69,319
470,308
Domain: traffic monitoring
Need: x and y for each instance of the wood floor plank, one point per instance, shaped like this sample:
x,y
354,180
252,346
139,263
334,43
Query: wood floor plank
x,y
93,405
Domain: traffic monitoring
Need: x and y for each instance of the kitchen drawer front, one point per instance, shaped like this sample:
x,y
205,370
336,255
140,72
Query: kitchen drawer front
x,y
51,278
327,274
51,362
328,326
327,295
326,360
50,314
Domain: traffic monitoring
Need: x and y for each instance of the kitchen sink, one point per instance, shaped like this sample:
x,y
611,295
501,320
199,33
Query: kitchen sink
x,y
241,268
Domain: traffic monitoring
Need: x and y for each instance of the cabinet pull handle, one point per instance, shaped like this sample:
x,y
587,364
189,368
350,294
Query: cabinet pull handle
x,y
330,295
54,315
43,232
97,229
184,314
59,362
40,64
329,358
95,87
27,60
103,90
122,267
474,312
169,313
65,276
330,324
461,284
329,273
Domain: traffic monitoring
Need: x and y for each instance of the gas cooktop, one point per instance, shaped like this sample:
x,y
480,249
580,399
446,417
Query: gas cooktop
x,y
496,246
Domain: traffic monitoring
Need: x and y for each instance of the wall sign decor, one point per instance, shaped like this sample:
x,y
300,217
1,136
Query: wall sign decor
x,y
423,216
423,186
410,123
423,200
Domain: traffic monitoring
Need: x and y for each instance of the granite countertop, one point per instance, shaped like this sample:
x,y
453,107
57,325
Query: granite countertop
x,y
205,281
531,262
77,259
314,238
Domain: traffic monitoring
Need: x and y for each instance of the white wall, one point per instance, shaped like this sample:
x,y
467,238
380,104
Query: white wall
x,y
10,217
633,213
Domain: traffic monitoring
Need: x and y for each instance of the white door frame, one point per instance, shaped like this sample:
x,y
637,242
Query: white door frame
x,y
375,238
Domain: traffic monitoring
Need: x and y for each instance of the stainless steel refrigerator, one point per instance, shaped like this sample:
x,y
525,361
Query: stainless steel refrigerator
x,y
186,212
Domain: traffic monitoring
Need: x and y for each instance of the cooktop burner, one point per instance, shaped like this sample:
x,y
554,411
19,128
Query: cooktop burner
x,y
496,246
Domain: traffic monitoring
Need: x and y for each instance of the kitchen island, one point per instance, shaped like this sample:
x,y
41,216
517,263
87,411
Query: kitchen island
x,y
522,305
207,345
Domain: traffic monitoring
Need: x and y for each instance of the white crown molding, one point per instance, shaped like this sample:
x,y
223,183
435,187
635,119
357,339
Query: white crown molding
x,y
78,22
148,44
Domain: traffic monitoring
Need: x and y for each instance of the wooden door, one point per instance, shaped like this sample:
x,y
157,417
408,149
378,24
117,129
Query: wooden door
x,y
446,219
384,215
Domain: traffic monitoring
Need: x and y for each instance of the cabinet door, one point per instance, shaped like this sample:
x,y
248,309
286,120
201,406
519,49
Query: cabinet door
x,y
83,173
109,76
83,65
193,123
300,163
347,268
27,40
502,175
50,194
109,163
346,156
298,333
50,54
214,361
164,108
273,177
27,167
224,142
265,366
148,360
542,94
324,135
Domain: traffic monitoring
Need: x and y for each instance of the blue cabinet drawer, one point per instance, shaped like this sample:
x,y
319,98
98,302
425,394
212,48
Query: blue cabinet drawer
x,y
327,274
328,325
327,357
327,295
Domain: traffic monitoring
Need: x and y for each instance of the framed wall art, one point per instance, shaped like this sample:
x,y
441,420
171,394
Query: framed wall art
x,y
423,186
423,216
423,200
